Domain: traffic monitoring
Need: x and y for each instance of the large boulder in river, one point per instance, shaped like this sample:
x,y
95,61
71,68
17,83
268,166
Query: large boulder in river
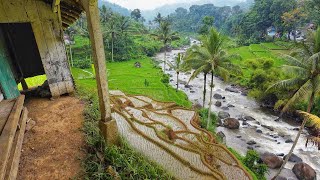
x,y
223,115
248,118
231,123
271,160
232,90
294,158
304,172
286,174
217,96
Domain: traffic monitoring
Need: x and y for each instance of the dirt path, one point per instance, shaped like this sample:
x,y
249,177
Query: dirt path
x,y
52,149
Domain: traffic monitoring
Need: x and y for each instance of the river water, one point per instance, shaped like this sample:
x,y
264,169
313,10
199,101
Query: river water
x,y
241,105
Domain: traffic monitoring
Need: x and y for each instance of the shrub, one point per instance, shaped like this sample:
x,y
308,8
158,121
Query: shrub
x,y
204,119
251,161
165,79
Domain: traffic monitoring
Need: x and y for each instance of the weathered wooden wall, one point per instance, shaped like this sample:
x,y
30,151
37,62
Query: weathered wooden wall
x,y
48,33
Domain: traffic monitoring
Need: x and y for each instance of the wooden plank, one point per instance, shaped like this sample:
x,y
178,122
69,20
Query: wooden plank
x,y
5,109
13,164
7,136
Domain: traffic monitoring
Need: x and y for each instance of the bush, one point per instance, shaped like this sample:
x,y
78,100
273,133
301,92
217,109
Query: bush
x,y
251,161
165,79
204,119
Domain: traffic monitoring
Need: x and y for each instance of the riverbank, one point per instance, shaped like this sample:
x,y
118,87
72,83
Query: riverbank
x,y
258,128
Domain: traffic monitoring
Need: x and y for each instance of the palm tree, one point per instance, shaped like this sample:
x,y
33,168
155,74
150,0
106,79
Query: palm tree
x,y
306,81
177,67
189,63
211,56
158,19
165,35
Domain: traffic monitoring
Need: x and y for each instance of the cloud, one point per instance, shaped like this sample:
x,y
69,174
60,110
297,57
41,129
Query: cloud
x,y
145,4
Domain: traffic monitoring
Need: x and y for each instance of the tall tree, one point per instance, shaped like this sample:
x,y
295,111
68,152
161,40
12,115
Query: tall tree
x,y
306,80
291,19
166,36
211,55
177,67
207,23
136,14
158,19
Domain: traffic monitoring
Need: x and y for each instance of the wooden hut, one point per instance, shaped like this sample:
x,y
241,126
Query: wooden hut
x,y
31,44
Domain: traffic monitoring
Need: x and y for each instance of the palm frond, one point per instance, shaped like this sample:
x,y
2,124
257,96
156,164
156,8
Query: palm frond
x,y
296,70
286,84
224,73
197,72
294,61
312,120
302,93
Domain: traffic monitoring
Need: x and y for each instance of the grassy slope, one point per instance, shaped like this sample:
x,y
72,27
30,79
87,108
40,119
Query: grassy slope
x,y
256,51
125,77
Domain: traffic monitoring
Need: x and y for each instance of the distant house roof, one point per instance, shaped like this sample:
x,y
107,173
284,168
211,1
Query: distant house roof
x,y
71,10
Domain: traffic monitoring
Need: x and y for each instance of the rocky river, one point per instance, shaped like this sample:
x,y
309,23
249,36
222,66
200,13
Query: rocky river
x,y
258,128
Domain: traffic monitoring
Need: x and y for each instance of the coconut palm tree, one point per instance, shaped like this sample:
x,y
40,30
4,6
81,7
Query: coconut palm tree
x,y
158,19
211,56
177,67
165,35
190,63
306,82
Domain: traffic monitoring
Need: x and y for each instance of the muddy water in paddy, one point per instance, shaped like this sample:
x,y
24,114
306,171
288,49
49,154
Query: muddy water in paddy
x,y
267,141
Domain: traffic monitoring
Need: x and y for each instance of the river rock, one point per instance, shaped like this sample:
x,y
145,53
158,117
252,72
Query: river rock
x,y
251,142
196,106
259,131
286,174
249,118
218,104
280,154
250,148
271,160
222,136
231,123
304,172
188,86
268,127
231,106
192,91
217,96
225,108
232,90
244,123
223,115
294,158
289,141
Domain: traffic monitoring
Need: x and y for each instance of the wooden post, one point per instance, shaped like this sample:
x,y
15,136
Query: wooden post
x,y
24,84
107,125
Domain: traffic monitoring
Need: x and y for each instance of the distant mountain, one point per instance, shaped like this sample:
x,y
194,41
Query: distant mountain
x,y
115,7
168,9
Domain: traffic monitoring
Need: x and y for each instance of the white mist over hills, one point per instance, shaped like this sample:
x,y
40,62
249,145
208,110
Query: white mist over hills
x,y
150,8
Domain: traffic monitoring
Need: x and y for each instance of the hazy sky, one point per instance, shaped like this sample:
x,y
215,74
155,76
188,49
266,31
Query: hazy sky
x,y
146,4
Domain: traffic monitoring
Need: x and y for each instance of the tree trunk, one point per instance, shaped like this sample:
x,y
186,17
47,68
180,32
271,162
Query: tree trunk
x,y
204,89
297,137
289,35
210,102
177,81
70,51
164,61
112,47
